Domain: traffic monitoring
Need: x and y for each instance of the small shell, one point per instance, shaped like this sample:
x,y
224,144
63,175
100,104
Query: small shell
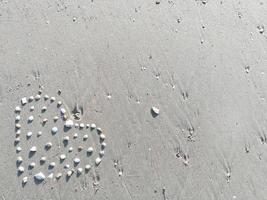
x,y
80,148
18,132
48,145
65,117
31,98
32,108
63,111
40,176
29,134
93,126
58,176
87,167
59,103
52,164
37,97
19,160
51,176
17,109
33,149
97,161
25,180
55,118
67,166
76,160
120,173
79,170
102,136
17,118
99,130
75,135
68,123
21,169
85,137
87,125
39,133
82,125
155,110
30,119
66,138
101,153
90,150
54,130
69,173
17,140
40,91
52,99
32,165
62,157
23,100
70,149
18,126
103,145
43,159
46,97
44,108
45,120
18,149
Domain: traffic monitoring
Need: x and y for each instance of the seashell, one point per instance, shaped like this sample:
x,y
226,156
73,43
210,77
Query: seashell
x,y
32,165
101,153
99,130
32,108
25,180
87,125
67,166
48,145
52,164
76,160
55,118
62,157
58,176
87,167
103,145
51,176
76,125
31,98
59,103
75,135
93,126
52,99
97,161
33,149
17,109
63,111
44,108
18,149
29,134
43,159
54,130
39,133
69,123
155,110
19,160
79,170
90,150
17,118
46,97
102,136
66,139
18,126
85,137
37,97
70,149
20,169
69,173
82,125
40,176
80,148
23,101
30,119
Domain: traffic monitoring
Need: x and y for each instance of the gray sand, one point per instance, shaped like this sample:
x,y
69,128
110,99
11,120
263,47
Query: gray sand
x,y
203,64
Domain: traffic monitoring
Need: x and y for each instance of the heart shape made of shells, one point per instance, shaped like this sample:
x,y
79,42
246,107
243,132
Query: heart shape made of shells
x,y
50,145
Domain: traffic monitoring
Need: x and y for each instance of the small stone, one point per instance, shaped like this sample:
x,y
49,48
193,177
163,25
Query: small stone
x,y
76,125
54,130
29,134
52,164
93,126
103,145
75,135
87,125
69,123
40,91
37,97
59,92
66,139
65,117
59,103
33,149
120,173
99,130
67,166
80,148
18,132
87,167
18,149
82,125
23,101
32,108
76,160
52,99
17,118
97,161
21,169
30,119
45,120
40,176
101,153
102,136
58,176
46,97
19,160
31,98
32,165
70,149
79,170
44,108
85,137
51,176
48,145
90,150
62,157
55,118
69,173
155,110
25,180
17,140
17,109
39,133
18,126
62,110
43,159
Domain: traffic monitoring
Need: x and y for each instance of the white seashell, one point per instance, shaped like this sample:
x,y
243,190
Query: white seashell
x,y
18,132
44,108
18,126
33,149
46,97
40,176
62,110
29,134
18,149
59,103
31,98
101,153
23,100
67,166
97,161
37,97
93,126
48,145
66,138
25,180
17,140
120,173
21,169
70,149
32,108
76,125
87,167
17,118
51,176
52,164
39,133
62,157
17,109
43,159
76,160
55,118
54,130
19,160
52,99
32,165
79,170
155,110
90,150
69,173
87,125
75,135
99,130
30,119
103,145
82,125
102,136
58,176
85,137
69,123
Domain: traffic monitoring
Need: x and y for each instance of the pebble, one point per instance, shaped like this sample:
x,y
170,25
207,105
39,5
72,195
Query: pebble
x,y
66,138
59,103
25,180
80,148
62,110
120,173
18,149
76,125
52,164
40,176
23,100
51,176
65,117
48,145
82,125
55,118
43,159
76,160
30,119
21,169
39,133
19,160
33,149
90,150
17,109
31,98
87,125
17,140
99,130
54,130
93,126
62,157
75,135
69,123
37,97
44,108
52,99
29,134
69,173
155,110
32,165
46,97
40,91
97,161
103,145
87,167
45,120
79,170
58,176
70,149
102,136
18,132
101,153
67,166
17,118
85,137
18,125
32,108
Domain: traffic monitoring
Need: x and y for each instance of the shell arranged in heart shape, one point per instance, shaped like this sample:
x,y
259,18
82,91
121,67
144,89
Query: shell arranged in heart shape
x,y
50,144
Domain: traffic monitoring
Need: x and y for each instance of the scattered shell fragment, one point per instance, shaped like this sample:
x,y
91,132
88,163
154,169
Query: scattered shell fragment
x,y
32,108
33,149
21,169
39,133
62,110
87,167
52,164
155,110
19,160
46,97
58,176
102,136
17,118
17,109
69,123
54,130
93,126
66,139
82,125
52,99
29,134
62,157
85,137
37,97
76,160
23,100
97,161
18,149
30,119
90,150
18,126
25,180
32,164
79,170
40,176
44,108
